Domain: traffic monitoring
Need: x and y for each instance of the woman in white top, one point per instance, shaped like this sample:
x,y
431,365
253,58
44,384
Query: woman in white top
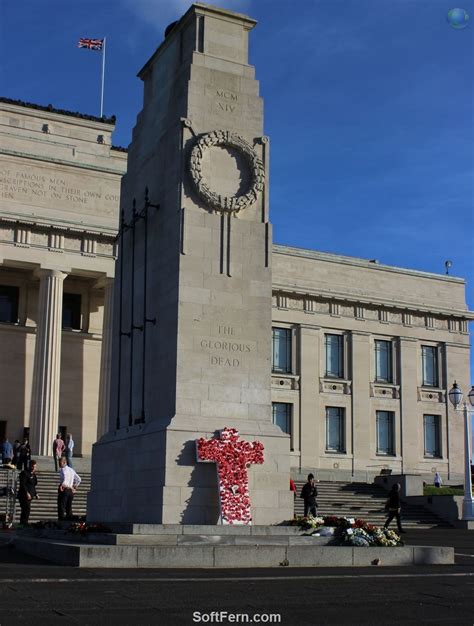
x,y
437,480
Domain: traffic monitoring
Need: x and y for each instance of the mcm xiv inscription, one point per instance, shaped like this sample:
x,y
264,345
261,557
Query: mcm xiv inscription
x,y
227,100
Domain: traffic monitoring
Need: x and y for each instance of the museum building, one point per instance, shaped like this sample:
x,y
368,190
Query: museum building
x,y
362,353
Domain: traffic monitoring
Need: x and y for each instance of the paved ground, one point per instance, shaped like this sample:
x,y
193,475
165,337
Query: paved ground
x,y
34,592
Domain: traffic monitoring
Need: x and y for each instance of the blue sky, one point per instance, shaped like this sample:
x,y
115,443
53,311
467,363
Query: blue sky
x,y
368,103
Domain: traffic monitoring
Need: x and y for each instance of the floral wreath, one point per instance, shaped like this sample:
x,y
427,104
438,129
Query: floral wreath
x,y
218,202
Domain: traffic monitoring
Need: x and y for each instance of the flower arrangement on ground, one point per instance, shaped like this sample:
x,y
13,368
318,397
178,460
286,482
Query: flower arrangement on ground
x,y
350,531
83,528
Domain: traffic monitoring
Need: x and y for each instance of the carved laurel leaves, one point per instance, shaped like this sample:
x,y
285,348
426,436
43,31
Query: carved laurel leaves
x,y
215,201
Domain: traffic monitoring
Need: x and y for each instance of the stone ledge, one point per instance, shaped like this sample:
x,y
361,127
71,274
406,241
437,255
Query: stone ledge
x,y
229,556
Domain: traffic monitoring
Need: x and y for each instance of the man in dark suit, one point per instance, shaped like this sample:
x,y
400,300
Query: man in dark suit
x,y
309,493
27,491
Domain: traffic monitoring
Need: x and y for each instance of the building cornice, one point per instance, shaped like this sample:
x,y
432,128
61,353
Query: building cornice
x,y
353,299
73,164
53,113
358,262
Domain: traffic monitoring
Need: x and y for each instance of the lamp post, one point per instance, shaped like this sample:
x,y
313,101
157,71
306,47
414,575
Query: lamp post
x,y
455,396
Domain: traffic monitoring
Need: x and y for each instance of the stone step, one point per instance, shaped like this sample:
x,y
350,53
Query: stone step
x,y
228,556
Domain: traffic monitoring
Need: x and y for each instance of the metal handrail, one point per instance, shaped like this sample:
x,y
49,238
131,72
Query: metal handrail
x,y
384,465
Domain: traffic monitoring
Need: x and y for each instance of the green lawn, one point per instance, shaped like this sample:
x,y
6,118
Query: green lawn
x,y
431,490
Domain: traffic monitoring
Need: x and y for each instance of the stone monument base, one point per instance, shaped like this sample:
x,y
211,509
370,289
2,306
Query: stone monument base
x,y
150,475
194,546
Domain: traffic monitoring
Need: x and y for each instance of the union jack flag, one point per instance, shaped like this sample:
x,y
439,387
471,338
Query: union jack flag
x,y
91,44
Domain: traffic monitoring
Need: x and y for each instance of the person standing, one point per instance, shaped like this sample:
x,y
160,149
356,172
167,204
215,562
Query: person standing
x,y
438,481
309,493
293,487
16,453
7,452
27,491
69,449
393,507
58,449
24,455
69,481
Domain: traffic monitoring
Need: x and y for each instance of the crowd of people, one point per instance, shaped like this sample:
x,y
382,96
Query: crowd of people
x,y
18,456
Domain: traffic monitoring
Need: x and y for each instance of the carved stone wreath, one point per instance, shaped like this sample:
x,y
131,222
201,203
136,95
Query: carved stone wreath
x,y
216,201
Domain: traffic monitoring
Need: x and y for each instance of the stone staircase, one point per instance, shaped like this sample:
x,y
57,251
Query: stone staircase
x,y
359,500
46,507
367,502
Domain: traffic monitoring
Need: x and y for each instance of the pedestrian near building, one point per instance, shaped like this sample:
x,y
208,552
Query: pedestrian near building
x,y
68,452
16,452
27,491
58,449
293,487
438,481
24,456
7,452
69,481
309,493
393,507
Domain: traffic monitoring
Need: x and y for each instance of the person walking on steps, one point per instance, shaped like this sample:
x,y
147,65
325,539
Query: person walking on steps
x,y
309,493
393,507
68,452
69,481
58,449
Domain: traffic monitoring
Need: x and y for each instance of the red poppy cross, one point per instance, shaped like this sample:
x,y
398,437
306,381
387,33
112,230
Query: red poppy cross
x,y
233,456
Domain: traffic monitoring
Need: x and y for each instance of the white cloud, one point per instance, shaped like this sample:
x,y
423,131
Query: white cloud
x,y
158,14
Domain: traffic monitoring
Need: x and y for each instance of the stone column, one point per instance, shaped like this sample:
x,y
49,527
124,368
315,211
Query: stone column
x,y
310,448
362,418
411,420
47,364
105,360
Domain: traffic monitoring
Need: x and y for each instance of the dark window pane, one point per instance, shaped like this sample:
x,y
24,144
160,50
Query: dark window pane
x,y
383,361
335,436
281,350
9,304
281,416
385,433
429,357
431,428
72,311
334,356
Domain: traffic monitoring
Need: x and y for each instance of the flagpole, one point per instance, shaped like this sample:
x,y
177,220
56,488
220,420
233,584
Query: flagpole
x,y
102,85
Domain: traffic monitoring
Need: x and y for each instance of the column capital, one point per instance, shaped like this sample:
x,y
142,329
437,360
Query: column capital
x,y
309,327
103,282
360,333
42,272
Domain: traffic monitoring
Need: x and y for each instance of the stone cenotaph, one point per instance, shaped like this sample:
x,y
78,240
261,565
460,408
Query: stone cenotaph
x,y
192,306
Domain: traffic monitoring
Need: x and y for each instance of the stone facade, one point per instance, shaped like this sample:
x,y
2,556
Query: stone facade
x,y
367,305
59,195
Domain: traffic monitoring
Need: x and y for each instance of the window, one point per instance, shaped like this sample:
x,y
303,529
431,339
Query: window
x,y
281,344
429,364
335,434
431,428
334,356
383,361
281,416
9,304
385,433
72,311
